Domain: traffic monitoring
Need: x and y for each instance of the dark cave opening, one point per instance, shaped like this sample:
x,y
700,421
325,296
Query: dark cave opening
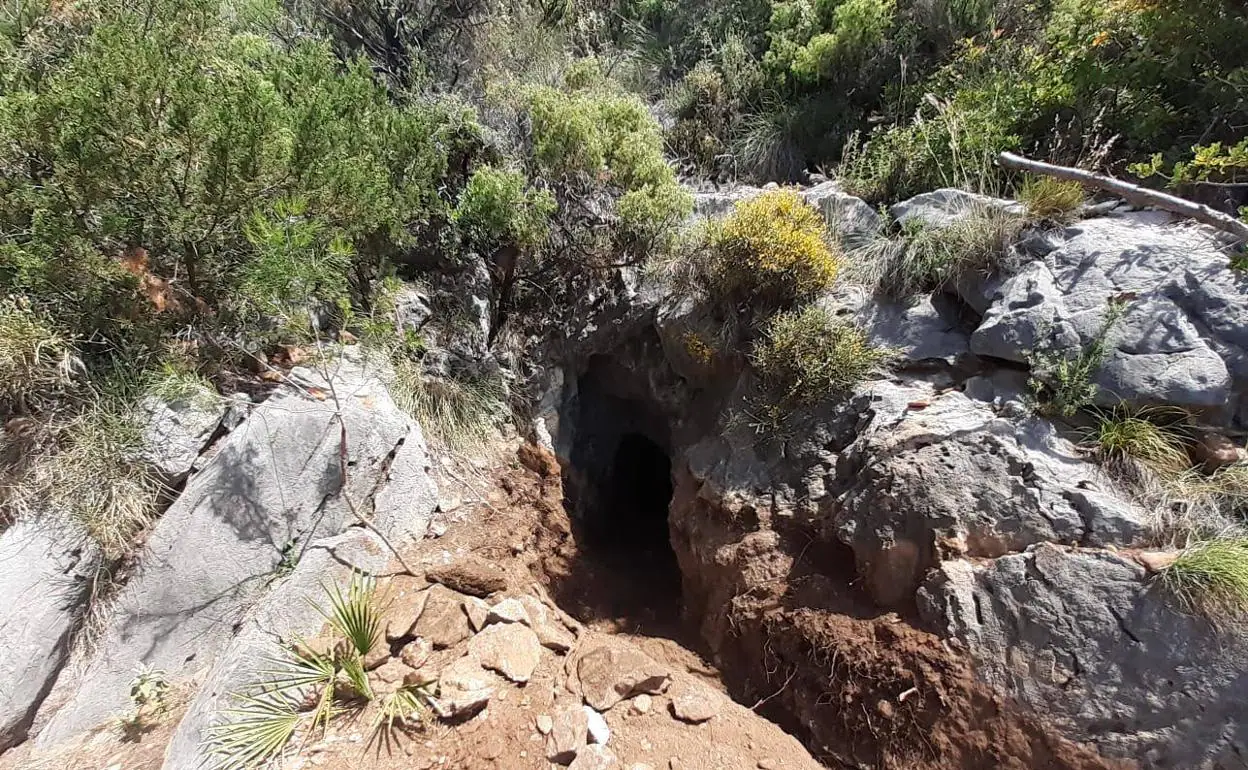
x,y
618,487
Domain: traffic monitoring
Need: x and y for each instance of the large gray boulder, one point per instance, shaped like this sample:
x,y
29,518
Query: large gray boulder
x,y
274,487
291,610
938,476
851,218
1183,338
176,430
46,573
945,206
1084,638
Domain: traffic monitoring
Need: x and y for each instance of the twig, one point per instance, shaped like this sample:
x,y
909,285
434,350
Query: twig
x,y
783,687
1134,193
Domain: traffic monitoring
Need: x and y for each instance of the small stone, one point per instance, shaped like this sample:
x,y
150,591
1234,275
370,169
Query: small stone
x,y
568,734
443,621
392,671
613,671
640,766
693,704
404,600
510,649
599,732
642,703
768,764
544,724
464,688
1215,450
470,575
509,611
594,758
416,652
1156,561
376,656
478,612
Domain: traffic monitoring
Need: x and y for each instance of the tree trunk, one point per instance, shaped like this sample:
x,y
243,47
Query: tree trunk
x,y
1133,193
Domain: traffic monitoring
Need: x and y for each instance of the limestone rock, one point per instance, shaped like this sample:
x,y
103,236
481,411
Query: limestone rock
x,y
612,671
176,430
464,688
443,621
509,611
1082,637
597,727
416,652
956,479
511,649
693,703
594,758
851,218
46,568
568,733
641,704
208,560
544,724
1183,338
470,575
412,309
939,208
1215,450
550,630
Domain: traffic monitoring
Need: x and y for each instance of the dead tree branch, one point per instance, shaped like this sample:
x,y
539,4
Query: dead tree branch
x,y
1132,193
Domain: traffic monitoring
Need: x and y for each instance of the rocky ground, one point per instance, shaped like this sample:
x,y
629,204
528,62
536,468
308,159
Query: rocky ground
x,y
923,573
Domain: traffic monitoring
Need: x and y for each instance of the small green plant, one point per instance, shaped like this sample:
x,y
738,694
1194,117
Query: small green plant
x,y
1211,578
36,361
1062,382
1047,198
308,688
807,355
1151,436
773,249
149,691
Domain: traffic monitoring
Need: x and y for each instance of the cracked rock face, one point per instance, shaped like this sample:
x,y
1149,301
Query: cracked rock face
x,y
946,476
1084,638
1183,339
274,485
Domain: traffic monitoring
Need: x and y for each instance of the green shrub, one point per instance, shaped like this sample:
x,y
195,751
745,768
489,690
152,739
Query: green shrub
x,y
1051,199
807,355
498,207
1062,381
1211,578
772,248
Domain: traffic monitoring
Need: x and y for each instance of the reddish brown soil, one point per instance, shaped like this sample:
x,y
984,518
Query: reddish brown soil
x,y
859,687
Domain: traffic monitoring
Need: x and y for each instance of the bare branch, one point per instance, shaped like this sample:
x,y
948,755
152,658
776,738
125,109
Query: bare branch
x,y
1133,193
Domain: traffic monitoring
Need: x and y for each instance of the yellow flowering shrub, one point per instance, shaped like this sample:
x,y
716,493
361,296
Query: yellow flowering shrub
x,y
773,247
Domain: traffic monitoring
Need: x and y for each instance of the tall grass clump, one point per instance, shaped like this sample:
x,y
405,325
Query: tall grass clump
x,y
1211,578
772,249
808,354
926,258
1046,198
1150,436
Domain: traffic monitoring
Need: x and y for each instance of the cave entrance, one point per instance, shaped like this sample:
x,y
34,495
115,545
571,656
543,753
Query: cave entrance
x,y
618,487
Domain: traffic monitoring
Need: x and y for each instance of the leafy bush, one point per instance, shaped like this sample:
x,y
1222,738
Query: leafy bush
x,y
807,355
1211,578
498,207
1051,199
772,248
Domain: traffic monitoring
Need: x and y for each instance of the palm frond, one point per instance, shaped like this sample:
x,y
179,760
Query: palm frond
x,y
352,615
255,732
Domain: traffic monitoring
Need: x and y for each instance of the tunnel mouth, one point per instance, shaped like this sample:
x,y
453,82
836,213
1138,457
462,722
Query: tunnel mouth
x,y
618,489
